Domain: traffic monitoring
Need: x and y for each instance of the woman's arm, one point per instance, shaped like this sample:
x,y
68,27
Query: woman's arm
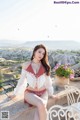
x,y
22,83
49,85
50,88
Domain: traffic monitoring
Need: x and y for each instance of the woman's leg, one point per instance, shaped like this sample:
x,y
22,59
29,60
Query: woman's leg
x,y
40,102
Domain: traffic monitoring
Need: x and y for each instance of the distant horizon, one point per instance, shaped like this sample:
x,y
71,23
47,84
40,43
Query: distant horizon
x,y
59,44
22,41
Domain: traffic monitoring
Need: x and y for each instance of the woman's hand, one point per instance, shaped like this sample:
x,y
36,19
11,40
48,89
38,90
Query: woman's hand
x,y
12,96
56,97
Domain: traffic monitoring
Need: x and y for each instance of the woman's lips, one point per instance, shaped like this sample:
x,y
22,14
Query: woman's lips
x,y
39,57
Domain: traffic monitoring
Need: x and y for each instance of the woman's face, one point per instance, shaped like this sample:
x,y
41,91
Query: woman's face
x,y
39,54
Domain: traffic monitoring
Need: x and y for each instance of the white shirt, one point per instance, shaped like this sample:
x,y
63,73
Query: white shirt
x,y
29,78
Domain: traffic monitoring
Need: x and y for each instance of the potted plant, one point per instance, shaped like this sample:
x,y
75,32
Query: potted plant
x,y
1,84
63,74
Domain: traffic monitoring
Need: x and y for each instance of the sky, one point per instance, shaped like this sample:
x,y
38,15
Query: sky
x,y
25,20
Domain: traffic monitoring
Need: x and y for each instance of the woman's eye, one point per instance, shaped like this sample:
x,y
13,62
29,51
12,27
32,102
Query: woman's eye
x,y
39,51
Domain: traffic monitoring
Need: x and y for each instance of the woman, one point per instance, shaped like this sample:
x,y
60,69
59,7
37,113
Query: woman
x,y
36,73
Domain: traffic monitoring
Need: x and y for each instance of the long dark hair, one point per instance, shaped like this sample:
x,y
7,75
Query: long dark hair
x,y
44,60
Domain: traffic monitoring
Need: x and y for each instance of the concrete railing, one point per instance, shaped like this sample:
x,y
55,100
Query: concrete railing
x,y
18,110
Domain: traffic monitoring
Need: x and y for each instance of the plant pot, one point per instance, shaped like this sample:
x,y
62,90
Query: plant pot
x,y
60,81
1,89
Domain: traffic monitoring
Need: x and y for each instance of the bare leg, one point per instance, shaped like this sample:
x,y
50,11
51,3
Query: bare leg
x,y
39,102
36,114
